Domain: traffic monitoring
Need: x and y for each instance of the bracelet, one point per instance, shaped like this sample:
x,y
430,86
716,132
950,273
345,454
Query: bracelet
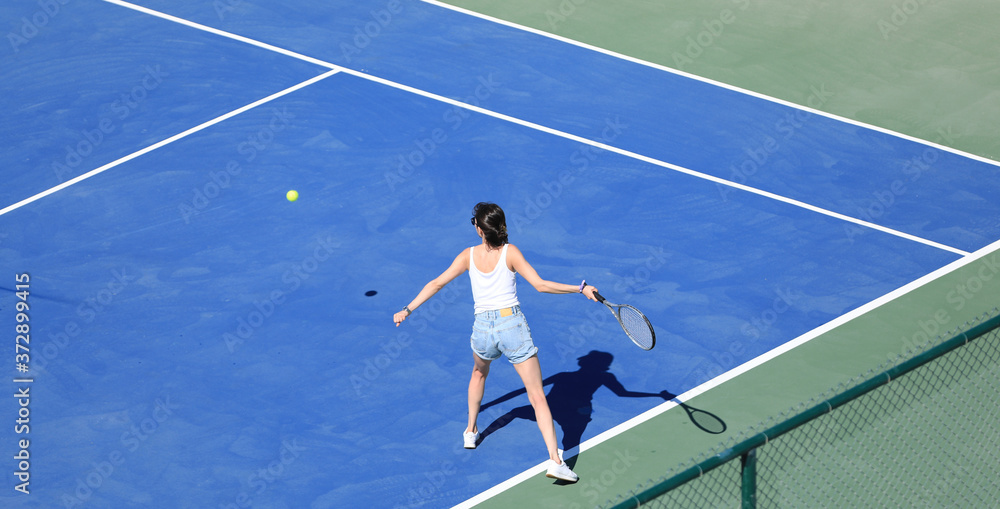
x,y
407,309
582,285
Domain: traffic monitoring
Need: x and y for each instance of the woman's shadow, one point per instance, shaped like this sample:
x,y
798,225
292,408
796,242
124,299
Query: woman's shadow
x,y
571,399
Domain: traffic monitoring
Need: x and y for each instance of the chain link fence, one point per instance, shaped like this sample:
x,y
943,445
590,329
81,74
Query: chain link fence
x,y
922,432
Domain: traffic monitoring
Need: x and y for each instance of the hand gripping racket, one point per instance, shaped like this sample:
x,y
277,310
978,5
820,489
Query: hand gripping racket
x,y
636,325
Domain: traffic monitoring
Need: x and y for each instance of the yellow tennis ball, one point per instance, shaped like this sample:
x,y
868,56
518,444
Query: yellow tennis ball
x,y
292,195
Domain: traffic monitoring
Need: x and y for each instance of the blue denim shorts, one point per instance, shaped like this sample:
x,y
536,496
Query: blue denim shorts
x,y
493,335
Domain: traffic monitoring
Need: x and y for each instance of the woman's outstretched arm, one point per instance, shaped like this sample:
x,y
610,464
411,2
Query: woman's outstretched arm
x,y
460,265
520,265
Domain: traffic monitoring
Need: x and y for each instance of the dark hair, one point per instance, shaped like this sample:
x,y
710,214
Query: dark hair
x,y
489,217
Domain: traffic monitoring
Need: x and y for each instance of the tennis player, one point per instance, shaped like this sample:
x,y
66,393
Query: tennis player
x,y
500,327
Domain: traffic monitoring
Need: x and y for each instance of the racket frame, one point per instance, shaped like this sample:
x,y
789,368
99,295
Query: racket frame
x,y
617,314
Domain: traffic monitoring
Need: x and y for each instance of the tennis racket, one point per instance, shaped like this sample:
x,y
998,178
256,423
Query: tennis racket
x,y
636,325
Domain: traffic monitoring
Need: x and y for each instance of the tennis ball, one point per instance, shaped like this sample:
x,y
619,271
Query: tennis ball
x,y
292,195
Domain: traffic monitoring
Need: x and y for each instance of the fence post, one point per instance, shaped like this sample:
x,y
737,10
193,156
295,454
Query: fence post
x,y
748,463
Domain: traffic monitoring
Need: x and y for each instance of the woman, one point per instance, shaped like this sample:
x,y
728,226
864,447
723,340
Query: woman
x,y
500,327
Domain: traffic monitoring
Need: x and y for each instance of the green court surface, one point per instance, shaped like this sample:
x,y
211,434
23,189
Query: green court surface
x,y
919,68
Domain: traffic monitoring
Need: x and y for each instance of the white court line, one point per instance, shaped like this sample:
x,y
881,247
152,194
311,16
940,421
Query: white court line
x,y
739,370
167,141
664,164
517,121
223,33
711,81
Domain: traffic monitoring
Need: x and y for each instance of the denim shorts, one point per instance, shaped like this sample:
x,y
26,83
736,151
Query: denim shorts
x,y
493,335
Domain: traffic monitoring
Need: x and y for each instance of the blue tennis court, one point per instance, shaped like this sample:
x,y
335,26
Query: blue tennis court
x,y
199,341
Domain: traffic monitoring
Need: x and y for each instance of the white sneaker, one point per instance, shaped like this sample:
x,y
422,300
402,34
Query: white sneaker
x,y
470,439
561,472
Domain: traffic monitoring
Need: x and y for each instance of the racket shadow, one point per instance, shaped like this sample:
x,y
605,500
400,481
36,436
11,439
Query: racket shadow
x,y
571,398
702,419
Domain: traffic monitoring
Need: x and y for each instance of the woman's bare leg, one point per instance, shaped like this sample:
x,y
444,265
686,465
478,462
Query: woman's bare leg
x,y
477,385
531,374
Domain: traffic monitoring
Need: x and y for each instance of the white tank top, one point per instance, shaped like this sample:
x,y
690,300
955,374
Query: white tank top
x,y
496,289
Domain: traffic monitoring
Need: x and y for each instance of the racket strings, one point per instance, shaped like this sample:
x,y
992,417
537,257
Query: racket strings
x,y
636,326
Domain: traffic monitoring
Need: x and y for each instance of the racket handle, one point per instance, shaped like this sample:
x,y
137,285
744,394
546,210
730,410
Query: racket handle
x,y
599,297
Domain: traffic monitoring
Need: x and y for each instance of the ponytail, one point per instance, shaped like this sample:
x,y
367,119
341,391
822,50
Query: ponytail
x,y
489,217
